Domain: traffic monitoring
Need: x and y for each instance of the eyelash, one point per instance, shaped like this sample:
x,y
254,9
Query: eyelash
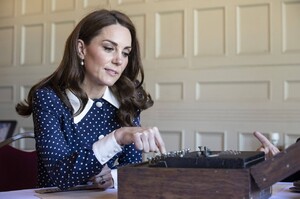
x,y
109,49
126,54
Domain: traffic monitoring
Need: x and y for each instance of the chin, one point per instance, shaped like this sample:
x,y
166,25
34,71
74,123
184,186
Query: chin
x,y
110,83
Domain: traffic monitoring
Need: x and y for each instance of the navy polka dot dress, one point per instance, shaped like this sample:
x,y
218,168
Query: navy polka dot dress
x,y
65,155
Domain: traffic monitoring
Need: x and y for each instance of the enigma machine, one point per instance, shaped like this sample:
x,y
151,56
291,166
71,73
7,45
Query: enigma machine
x,y
207,174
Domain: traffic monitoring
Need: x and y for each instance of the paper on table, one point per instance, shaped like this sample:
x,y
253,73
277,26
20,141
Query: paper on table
x,y
82,194
76,188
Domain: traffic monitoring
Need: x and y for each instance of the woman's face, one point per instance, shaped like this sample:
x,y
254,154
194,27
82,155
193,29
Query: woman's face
x,y
106,57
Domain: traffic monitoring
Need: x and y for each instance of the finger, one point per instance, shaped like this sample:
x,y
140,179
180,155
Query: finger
x,y
152,143
263,140
107,177
103,178
159,141
145,141
137,141
274,150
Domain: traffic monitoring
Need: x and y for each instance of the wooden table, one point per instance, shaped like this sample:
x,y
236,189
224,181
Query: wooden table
x,y
280,191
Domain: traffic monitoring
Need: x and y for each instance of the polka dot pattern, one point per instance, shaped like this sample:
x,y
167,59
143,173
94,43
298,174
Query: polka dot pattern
x,y
65,155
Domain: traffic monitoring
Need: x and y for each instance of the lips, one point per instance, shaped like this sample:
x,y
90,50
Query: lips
x,y
111,72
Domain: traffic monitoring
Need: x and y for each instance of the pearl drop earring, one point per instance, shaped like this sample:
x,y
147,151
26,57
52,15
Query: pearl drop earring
x,y
82,62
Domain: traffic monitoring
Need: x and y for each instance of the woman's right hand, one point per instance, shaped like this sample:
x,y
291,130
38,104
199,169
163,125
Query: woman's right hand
x,y
104,179
145,139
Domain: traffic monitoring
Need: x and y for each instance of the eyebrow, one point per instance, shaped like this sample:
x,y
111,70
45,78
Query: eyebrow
x,y
115,44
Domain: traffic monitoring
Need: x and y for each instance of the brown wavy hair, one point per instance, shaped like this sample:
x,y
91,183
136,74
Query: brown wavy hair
x,y
69,74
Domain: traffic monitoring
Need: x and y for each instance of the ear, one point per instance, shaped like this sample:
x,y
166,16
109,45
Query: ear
x,y
80,48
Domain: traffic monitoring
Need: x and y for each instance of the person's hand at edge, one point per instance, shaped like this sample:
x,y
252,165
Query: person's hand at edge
x,y
266,146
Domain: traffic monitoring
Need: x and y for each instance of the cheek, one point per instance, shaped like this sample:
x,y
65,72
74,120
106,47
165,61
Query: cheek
x,y
125,65
102,58
98,56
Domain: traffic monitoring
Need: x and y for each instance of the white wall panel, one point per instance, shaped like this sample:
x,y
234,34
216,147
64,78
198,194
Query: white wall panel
x,y
291,91
170,34
173,139
253,29
209,34
140,24
169,91
215,141
239,91
130,1
291,26
7,8
59,34
32,44
65,5
32,7
95,3
7,41
290,138
7,94
24,90
247,142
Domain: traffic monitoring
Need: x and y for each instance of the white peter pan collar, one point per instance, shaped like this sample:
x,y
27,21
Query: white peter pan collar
x,y
108,96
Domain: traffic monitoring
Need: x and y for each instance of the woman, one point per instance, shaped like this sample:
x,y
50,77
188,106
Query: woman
x,y
87,113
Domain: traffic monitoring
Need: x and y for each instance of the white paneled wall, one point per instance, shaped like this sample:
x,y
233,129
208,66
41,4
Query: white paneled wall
x,y
217,70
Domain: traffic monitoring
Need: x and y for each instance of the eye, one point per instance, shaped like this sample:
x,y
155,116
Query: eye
x,y
108,48
126,54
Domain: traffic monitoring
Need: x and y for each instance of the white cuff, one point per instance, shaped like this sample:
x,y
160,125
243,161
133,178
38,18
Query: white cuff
x,y
106,147
114,173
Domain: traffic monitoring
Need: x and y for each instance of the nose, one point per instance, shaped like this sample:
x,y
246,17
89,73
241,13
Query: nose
x,y
117,59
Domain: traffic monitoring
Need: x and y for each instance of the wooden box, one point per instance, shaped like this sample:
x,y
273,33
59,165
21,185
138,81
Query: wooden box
x,y
142,181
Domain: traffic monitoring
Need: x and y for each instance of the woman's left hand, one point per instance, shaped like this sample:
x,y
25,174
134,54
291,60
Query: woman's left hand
x,y
104,179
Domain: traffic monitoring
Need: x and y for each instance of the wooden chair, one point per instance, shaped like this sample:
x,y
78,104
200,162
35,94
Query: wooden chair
x,y
18,168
